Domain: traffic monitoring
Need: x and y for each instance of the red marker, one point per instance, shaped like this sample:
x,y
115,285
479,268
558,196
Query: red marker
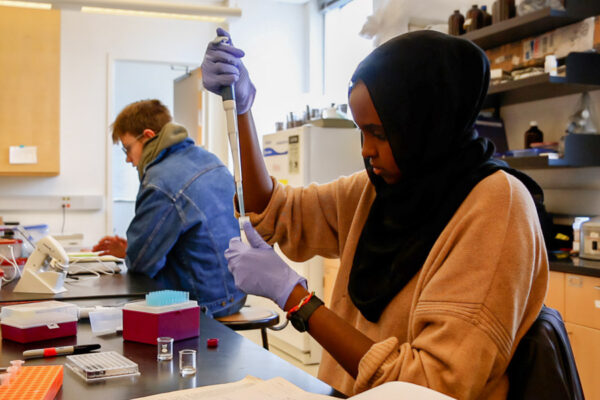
x,y
60,351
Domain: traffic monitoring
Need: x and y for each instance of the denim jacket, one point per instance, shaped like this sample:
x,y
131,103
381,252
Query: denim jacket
x,y
183,222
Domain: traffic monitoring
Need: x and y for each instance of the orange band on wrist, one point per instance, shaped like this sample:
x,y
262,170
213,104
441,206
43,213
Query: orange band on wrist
x,y
300,304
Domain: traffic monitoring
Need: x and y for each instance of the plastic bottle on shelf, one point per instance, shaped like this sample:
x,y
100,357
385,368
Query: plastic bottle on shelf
x,y
455,23
487,17
533,135
550,65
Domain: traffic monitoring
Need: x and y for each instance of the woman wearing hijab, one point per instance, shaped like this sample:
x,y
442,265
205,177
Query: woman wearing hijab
x,y
443,266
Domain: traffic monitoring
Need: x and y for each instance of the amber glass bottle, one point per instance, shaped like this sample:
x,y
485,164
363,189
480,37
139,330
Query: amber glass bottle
x,y
474,19
533,135
487,17
506,9
455,23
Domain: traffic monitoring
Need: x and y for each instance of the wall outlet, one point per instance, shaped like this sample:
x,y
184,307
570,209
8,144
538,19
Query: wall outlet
x,y
52,203
66,202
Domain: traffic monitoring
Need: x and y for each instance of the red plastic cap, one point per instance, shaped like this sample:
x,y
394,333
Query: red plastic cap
x,y
214,342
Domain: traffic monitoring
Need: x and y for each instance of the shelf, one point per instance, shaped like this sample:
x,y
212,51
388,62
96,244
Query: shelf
x,y
532,24
540,162
581,76
535,88
517,28
534,162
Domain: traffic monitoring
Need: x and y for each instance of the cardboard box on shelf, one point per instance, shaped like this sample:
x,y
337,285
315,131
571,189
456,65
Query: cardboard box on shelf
x,y
561,41
578,37
506,57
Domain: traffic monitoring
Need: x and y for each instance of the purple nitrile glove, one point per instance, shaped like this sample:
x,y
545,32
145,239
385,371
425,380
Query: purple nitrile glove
x,y
258,270
222,66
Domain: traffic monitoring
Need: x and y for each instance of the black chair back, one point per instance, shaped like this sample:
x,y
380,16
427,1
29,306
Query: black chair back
x,y
543,366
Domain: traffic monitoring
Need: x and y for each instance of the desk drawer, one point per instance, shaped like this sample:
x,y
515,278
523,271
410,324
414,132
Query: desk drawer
x,y
582,300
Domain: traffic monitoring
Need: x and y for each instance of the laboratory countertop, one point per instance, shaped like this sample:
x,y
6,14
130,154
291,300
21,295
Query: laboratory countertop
x,y
124,284
577,266
233,359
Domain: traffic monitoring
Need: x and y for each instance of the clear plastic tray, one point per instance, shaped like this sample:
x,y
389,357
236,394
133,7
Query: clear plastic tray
x,y
35,314
103,365
142,306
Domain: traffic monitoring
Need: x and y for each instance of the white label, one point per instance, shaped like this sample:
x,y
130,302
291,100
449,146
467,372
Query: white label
x,y
294,154
597,303
22,155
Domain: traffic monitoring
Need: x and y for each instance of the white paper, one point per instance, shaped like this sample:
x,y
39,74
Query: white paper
x,y
22,155
249,388
401,390
252,388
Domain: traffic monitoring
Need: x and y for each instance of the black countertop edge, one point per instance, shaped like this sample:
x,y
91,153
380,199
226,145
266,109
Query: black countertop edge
x,y
576,266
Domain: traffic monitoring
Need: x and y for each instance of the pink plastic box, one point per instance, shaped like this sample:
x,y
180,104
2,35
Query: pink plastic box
x,y
144,323
32,322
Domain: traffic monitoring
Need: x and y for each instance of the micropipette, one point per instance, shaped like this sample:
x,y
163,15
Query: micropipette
x,y
228,95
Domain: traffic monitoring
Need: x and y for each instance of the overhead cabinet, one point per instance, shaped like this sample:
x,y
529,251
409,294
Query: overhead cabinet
x,y
30,91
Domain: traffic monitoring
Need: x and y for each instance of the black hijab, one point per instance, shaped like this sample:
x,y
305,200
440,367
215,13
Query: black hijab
x,y
428,89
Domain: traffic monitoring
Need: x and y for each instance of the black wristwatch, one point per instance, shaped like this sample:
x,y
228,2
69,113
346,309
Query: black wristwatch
x,y
299,318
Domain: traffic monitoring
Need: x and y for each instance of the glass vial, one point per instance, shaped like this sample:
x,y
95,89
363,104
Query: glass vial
x,y
187,362
164,350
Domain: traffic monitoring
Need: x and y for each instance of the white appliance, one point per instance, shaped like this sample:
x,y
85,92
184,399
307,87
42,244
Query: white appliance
x,y
298,157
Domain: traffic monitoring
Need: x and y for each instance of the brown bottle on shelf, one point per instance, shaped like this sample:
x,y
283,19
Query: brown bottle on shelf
x,y
455,23
487,17
474,19
506,9
533,135
495,12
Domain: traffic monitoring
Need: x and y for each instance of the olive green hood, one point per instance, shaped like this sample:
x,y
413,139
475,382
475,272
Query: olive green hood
x,y
169,135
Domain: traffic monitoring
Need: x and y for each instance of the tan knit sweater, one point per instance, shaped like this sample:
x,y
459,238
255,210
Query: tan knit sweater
x,y
456,324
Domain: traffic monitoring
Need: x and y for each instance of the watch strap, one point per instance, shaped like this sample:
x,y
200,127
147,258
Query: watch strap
x,y
300,317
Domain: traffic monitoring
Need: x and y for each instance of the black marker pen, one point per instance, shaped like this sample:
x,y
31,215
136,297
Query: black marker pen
x,y
60,351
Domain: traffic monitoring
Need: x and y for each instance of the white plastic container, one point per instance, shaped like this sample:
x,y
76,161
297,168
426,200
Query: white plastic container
x,y
32,322
551,65
589,246
105,321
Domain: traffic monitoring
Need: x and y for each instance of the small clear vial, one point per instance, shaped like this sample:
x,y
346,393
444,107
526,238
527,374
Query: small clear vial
x,y
164,350
17,364
187,362
4,379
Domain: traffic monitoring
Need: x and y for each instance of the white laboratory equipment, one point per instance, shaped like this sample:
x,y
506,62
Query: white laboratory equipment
x,y
45,269
298,157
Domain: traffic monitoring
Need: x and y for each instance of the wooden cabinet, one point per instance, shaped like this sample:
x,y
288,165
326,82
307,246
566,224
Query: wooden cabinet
x,y
582,300
585,343
30,88
555,298
579,297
